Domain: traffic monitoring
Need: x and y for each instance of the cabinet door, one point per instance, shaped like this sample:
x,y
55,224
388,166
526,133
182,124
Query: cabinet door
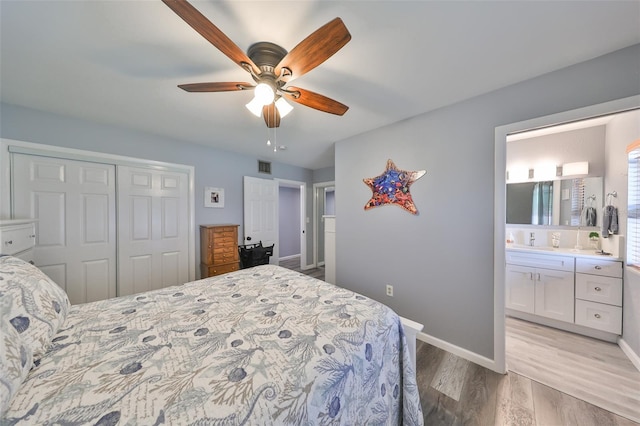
x,y
554,294
520,293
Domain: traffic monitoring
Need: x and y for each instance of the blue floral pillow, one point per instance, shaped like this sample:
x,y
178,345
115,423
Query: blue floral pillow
x,y
35,307
15,357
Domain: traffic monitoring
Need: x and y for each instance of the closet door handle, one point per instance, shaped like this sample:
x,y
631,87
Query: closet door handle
x,y
8,243
598,267
597,289
538,276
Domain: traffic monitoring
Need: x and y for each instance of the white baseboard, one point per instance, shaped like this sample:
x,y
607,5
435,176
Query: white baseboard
x,y
293,256
461,352
305,267
633,357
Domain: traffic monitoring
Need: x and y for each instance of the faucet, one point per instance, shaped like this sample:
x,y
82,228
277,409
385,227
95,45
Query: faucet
x,y
532,238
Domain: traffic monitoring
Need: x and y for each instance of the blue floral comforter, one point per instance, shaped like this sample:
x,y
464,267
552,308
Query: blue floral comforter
x,y
260,346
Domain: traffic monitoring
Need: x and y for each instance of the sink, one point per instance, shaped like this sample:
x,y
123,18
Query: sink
x,y
525,247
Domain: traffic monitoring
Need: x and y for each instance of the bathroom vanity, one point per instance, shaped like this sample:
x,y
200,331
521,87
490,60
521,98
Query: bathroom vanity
x,y
575,290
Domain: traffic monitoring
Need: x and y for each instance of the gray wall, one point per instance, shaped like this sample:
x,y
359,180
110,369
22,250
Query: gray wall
x,y
441,261
324,175
213,167
289,225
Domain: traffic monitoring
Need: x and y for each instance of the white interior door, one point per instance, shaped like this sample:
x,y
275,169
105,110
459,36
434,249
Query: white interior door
x,y
153,229
73,203
261,213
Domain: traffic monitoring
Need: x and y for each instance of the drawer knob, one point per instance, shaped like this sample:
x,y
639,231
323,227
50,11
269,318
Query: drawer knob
x,y
597,316
8,243
597,289
598,267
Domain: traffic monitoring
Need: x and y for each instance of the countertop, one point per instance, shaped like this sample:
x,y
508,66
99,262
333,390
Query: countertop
x,y
588,253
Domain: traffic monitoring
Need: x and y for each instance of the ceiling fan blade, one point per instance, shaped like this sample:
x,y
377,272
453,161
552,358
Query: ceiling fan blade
x,y
215,87
315,49
315,100
209,31
271,115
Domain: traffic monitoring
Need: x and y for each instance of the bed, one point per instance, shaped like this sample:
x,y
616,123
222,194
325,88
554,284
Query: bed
x,y
260,346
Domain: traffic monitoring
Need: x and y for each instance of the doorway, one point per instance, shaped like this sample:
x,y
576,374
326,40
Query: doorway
x,y
501,134
292,234
511,329
323,204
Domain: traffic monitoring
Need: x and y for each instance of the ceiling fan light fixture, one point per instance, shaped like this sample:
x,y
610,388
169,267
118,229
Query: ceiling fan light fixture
x,y
255,106
284,107
264,94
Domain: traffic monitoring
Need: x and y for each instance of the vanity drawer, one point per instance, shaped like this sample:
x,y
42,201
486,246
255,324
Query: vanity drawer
x,y
599,316
535,260
14,239
608,268
599,289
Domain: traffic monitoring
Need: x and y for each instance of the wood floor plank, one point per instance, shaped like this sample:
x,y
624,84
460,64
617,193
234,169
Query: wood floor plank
x,y
440,409
478,400
450,376
514,401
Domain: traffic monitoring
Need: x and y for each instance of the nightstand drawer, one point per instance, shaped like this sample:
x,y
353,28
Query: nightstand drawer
x,y
599,316
599,289
14,239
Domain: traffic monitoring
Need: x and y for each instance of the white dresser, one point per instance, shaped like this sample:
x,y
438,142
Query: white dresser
x,y
18,238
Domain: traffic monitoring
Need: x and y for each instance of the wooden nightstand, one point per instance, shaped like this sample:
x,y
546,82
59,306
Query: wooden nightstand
x,y
218,249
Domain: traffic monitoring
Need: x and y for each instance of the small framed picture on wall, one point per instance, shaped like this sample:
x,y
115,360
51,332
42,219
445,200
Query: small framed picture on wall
x,y
213,197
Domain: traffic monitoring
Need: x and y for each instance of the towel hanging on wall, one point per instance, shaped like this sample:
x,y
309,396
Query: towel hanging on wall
x,y
609,221
589,216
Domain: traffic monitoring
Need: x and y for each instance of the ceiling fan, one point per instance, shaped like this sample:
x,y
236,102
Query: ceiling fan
x,y
270,66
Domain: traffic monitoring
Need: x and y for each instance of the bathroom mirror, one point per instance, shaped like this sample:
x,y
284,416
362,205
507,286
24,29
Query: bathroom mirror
x,y
566,202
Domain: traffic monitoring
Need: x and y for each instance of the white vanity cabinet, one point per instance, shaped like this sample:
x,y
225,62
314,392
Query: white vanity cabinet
x,y
599,294
576,292
533,288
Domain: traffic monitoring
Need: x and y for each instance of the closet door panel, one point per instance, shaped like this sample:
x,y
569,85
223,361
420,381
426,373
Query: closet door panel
x,y
153,225
50,209
74,205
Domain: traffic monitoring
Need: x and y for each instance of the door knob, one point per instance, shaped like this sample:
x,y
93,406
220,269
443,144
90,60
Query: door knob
x,y
248,238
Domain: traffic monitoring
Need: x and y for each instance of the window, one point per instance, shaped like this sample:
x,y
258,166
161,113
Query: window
x,y
633,205
577,201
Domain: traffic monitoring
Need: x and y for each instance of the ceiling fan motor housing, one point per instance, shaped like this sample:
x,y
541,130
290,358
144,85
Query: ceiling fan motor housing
x,y
266,55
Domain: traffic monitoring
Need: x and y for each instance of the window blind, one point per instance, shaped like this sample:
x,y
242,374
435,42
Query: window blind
x,y
633,205
577,201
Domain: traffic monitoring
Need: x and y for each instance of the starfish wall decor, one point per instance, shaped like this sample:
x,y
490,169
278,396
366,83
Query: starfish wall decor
x,y
392,187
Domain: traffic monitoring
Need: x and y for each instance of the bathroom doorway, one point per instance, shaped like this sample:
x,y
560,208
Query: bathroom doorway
x,y
528,337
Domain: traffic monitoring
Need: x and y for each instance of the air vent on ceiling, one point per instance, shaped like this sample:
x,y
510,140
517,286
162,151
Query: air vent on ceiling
x,y
264,167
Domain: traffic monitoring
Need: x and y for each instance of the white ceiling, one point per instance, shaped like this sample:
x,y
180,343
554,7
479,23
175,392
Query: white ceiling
x,y
119,62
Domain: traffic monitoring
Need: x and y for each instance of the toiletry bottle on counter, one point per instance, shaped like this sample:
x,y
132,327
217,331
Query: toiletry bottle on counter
x,y
511,239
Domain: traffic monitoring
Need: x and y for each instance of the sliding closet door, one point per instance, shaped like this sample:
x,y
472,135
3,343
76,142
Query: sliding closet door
x,y
73,203
153,229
